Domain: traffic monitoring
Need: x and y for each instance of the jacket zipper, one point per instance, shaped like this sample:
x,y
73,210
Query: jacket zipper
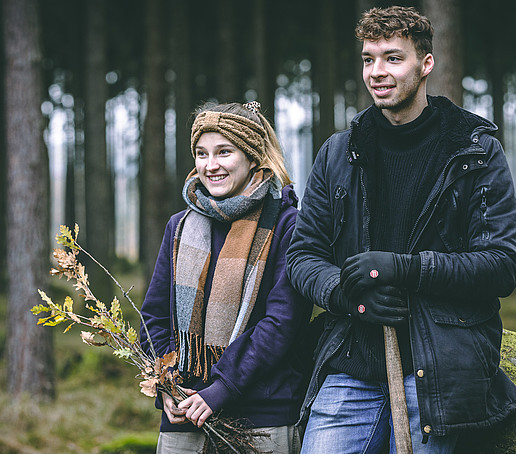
x,y
318,387
412,243
367,216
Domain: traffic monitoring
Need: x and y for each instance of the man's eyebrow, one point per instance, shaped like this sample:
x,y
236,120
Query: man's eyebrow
x,y
394,50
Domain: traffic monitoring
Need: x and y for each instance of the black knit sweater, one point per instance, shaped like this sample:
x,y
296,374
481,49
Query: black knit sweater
x,y
403,171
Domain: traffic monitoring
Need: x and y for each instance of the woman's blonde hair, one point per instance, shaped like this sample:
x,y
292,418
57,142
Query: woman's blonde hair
x,y
271,157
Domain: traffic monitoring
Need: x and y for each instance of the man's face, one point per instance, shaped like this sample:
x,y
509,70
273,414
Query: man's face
x,y
396,77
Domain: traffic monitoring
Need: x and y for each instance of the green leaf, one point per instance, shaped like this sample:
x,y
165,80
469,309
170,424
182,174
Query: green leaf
x,y
38,309
123,353
68,304
132,335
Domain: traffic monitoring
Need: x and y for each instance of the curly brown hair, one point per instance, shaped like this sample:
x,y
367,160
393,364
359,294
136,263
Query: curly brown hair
x,y
402,21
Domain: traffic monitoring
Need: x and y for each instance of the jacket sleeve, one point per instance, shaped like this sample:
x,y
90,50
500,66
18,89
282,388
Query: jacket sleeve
x,y
488,267
263,347
310,263
156,308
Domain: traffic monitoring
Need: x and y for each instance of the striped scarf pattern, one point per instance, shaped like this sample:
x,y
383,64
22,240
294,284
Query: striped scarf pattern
x,y
200,339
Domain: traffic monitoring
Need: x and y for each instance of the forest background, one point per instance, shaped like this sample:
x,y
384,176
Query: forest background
x,y
95,115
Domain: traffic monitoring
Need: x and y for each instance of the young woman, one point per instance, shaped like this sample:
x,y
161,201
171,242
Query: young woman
x,y
219,295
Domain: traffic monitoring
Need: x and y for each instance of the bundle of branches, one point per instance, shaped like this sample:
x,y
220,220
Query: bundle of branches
x,y
107,328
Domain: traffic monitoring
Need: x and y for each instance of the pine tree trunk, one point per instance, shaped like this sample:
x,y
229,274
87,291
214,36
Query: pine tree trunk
x,y
29,347
154,209
184,104
446,77
265,59
227,71
98,187
363,96
325,74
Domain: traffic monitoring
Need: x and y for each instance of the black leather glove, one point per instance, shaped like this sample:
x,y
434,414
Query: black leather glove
x,y
373,268
381,305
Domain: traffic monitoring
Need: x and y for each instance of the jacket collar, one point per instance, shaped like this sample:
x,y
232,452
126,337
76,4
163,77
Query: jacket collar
x,y
460,129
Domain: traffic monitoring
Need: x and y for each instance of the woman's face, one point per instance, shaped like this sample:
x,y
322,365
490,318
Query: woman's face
x,y
223,169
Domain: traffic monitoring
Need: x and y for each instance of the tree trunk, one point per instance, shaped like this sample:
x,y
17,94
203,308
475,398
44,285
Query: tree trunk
x,y
227,66
98,188
154,210
29,347
184,104
325,70
264,61
363,96
446,77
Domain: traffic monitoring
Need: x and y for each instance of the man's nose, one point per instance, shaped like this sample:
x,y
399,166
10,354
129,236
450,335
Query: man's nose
x,y
378,69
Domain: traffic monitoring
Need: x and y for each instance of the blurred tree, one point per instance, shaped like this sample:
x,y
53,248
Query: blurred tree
x,y
153,198
363,96
448,72
264,58
227,66
325,73
3,173
181,45
98,191
29,347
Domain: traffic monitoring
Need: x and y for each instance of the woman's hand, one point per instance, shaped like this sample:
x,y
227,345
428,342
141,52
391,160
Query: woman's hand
x,y
175,415
195,408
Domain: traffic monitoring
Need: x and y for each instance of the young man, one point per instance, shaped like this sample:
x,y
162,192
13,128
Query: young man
x,y
408,220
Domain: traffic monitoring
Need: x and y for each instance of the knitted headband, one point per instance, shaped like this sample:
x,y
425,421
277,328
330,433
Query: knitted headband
x,y
245,134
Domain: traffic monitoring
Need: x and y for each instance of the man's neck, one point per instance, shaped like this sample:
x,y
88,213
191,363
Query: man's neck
x,y
406,114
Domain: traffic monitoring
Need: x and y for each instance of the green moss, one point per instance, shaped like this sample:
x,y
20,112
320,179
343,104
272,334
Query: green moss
x,y
508,354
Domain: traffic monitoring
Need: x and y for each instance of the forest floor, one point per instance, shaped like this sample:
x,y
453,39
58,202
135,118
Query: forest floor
x,y
98,408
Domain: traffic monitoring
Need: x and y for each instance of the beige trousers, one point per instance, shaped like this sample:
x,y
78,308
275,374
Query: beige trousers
x,y
282,440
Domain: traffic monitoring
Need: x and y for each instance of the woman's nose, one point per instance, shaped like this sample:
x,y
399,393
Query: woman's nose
x,y
213,163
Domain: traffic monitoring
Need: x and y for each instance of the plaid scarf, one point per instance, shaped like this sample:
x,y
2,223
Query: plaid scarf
x,y
201,340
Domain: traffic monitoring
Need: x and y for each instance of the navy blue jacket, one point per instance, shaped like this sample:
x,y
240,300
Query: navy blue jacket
x,y
466,238
259,377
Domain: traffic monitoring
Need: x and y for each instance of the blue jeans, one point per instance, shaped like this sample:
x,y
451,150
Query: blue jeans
x,y
351,416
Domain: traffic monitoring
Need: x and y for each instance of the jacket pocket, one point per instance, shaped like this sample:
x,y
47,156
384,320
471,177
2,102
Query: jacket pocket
x,y
474,331
450,220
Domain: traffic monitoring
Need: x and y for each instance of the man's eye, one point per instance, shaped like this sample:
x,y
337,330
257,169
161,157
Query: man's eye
x,y
392,58
367,61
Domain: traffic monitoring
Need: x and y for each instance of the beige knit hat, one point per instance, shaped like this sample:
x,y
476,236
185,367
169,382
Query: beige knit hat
x,y
245,134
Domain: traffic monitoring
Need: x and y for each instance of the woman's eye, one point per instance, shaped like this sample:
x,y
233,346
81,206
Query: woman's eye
x,y
200,154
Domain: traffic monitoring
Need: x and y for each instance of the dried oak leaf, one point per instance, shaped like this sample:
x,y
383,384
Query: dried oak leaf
x,y
148,387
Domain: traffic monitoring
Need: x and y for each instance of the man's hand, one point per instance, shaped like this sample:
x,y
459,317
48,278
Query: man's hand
x,y
381,305
196,409
373,268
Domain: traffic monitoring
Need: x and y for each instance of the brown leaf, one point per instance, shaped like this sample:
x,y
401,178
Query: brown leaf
x,y
148,387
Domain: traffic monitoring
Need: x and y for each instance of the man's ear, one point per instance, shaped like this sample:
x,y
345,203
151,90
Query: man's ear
x,y
428,65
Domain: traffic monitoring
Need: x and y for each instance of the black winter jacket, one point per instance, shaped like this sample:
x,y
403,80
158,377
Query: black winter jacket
x,y
466,239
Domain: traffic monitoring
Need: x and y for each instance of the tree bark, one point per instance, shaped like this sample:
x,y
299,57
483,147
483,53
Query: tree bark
x,y
227,67
184,104
29,347
264,61
154,208
98,190
446,77
363,96
325,70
